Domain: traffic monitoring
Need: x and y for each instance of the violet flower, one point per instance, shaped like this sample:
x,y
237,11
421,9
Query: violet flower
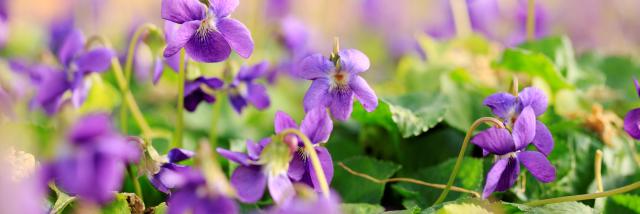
x,y
509,144
317,126
265,165
244,90
632,119
192,194
164,180
335,84
207,34
309,202
199,90
95,168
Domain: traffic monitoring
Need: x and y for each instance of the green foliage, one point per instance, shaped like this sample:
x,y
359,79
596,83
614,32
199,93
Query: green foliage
x,y
624,203
366,191
362,208
534,64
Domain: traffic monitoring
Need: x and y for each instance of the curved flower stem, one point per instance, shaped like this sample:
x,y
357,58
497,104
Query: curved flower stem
x,y
460,17
127,97
531,19
598,170
128,68
315,161
177,140
136,184
582,197
463,149
408,180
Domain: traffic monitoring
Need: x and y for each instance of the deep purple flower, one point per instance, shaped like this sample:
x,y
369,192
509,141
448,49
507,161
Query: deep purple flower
x,y
207,34
509,144
317,126
193,194
94,169
632,119
265,165
165,179
309,202
335,86
194,92
244,89
509,108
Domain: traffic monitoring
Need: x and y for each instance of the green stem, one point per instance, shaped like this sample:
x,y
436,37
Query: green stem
x,y
215,116
177,141
134,179
531,19
583,197
315,161
460,17
463,149
128,69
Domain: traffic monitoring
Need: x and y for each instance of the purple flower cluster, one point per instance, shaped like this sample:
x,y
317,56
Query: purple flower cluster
x,y
509,144
94,168
244,89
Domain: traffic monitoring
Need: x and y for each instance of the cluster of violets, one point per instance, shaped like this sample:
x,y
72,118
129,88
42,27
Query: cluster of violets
x,y
94,166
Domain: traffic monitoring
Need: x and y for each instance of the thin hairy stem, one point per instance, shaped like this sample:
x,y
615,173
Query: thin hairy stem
x,y
136,184
531,20
583,197
315,161
215,117
408,180
177,140
463,149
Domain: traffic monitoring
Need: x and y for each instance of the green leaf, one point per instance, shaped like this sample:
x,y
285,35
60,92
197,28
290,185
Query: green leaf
x,y
562,208
124,203
628,201
160,209
62,200
465,101
534,64
462,208
102,96
362,208
469,177
416,113
366,191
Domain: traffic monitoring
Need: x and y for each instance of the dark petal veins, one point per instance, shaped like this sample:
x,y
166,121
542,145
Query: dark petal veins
x,y
501,104
317,95
524,129
237,36
208,45
317,125
495,140
341,104
543,140
538,165
181,11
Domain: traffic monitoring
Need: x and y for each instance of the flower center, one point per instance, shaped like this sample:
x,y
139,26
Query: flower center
x,y
206,26
339,80
508,155
275,158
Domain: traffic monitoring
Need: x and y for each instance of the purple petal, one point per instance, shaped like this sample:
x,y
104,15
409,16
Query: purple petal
x,y
53,86
158,69
632,123
249,73
502,176
510,175
317,95
353,61
317,125
96,60
213,82
237,35
249,182
543,140
524,129
314,67
181,201
257,95
535,98
218,204
283,121
253,150
364,93
89,127
176,155
501,104
192,100
637,84
538,165
280,188
237,102
297,167
79,90
222,8
341,104
240,158
327,167
73,43
495,140
181,11
180,38
208,46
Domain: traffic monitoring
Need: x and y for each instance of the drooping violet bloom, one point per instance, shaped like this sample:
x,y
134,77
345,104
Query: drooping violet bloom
x,y
632,119
244,89
207,34
277,9
199,90
509,144
335,85
4,23
165,179
509,107
265,165
309,202
317,126
192,194
95,167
